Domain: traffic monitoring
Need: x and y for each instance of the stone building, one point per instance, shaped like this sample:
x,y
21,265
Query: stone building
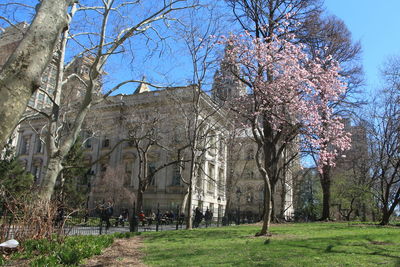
x,y
107,142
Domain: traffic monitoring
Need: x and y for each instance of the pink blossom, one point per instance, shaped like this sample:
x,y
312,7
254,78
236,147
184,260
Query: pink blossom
x,y
290,89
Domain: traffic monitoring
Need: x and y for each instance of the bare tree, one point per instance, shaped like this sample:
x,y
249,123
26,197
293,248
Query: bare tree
x,y
95,42
110,187
384,129
147,131
264,17
20,75
201,119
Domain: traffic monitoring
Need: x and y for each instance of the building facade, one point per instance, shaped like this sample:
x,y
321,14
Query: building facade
x,y
108,143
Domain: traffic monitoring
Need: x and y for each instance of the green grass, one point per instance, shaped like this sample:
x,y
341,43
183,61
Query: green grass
x,y
312,244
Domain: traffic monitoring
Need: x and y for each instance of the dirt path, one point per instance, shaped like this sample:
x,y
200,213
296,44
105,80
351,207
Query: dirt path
x,y
123,252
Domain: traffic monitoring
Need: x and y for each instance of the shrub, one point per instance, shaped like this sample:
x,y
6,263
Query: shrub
x,y
71,252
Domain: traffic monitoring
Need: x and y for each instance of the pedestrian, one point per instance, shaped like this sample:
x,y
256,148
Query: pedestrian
x,y
198,216
108,211
142,218
208,217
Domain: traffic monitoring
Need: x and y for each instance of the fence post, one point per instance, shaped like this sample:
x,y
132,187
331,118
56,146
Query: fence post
x,y
101,225
178,217
158,216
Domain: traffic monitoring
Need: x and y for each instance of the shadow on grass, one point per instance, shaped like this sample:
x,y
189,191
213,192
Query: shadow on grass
x,y
295,246
371,247
216,233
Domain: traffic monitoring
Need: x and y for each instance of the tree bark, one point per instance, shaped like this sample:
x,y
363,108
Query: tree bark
x,y
325,178
273,210
21,75
184,201
267,207
189,216
282,207
139,201
385,216
54,168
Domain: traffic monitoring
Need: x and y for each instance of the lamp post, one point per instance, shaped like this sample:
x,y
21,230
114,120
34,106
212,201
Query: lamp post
x,y
219,210
248,204
238,194
89,176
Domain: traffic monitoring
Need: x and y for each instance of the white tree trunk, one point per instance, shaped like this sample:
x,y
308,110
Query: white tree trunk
x,y
21,75
54,168
268,208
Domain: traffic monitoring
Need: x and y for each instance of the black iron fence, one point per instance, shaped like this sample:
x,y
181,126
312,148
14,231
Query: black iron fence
x,y
107,223
149,221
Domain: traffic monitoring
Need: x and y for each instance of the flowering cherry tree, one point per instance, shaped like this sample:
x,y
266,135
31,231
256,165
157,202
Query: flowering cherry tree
x,y
287,103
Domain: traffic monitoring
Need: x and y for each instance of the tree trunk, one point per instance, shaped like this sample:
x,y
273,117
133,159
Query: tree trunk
x,y
21,75
282,208
326,192
273,210
385,216
54,167
268,209
189,216
139,200
184,201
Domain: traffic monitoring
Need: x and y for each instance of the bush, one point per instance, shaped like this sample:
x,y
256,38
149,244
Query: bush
x,y
71,252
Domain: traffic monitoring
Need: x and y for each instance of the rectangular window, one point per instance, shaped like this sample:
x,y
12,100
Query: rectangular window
x,y
221,178
200,177
44,78
128,167
26,141
221,148
41,96
50,89
176,175
151,168
106,143
211,177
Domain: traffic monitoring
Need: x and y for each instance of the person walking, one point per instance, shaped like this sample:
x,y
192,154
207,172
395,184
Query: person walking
x,y
198,216
208,217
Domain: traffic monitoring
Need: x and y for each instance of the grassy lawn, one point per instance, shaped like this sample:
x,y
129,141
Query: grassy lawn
x,y
312,244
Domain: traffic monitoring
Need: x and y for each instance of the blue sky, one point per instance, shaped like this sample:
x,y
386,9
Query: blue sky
x,y
376,25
